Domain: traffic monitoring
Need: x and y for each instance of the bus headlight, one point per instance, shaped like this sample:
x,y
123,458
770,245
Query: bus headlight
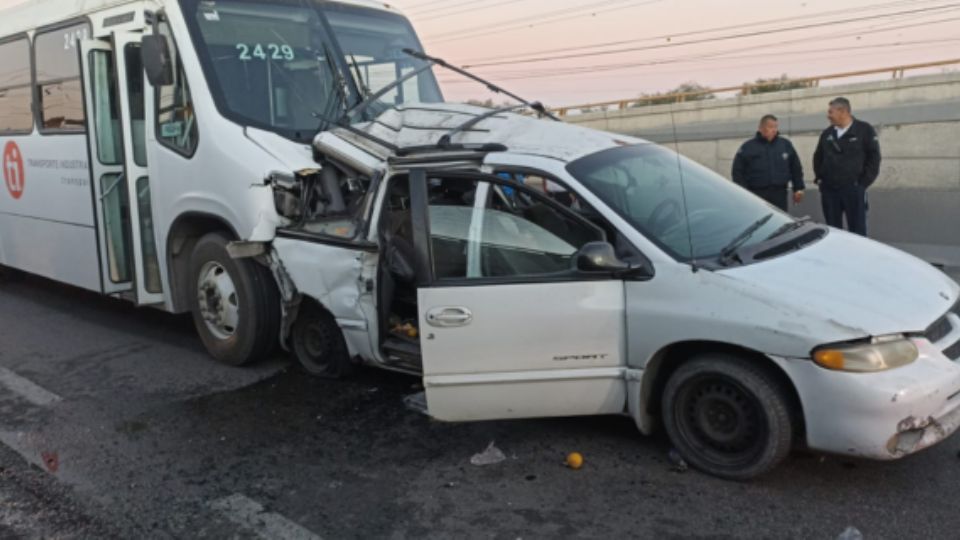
x,y
880,354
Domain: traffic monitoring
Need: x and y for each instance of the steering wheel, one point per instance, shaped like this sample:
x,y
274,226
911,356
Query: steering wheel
x,y
668,208
703,214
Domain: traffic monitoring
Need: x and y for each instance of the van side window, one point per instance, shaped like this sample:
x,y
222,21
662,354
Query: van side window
x,y
59,92
489,230
555,190
176,121
15,112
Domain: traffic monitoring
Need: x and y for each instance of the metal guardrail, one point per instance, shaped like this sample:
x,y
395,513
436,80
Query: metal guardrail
x,y
747,89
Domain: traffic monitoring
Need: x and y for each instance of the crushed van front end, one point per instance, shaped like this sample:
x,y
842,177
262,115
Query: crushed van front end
x,y
884,415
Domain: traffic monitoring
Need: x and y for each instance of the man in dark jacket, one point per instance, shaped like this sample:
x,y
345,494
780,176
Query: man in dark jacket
x,y
767,163
846,162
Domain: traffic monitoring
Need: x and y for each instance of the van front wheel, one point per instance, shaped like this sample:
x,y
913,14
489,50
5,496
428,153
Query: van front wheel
x,y
727,416
235,303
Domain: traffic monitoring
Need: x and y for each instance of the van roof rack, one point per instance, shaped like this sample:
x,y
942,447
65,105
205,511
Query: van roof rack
x,y
479,148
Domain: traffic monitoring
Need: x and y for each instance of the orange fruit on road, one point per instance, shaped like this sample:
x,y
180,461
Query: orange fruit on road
x,y
574,460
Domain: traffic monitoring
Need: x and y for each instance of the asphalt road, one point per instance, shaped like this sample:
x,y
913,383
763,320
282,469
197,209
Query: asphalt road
x,y
115,423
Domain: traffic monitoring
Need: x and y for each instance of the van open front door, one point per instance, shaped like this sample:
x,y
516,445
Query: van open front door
x,y
115,101
508,328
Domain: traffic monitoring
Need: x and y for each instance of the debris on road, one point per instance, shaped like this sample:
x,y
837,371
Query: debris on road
x,y
51,460
491,456
677,463
416,402
850,533
574,460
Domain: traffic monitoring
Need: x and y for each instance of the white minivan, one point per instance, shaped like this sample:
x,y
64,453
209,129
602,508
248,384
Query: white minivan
x,y
528,268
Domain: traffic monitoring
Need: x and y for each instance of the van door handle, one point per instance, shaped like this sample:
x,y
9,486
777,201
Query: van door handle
x,y
449,317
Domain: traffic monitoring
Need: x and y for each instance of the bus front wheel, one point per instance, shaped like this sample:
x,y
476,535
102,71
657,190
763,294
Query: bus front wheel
x,y
235,303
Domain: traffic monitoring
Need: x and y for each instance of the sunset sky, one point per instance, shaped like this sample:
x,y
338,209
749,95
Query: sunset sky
x,y
617,49
796,37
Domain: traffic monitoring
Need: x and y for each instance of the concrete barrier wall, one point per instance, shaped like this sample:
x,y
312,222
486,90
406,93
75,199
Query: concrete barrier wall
x,y
915,204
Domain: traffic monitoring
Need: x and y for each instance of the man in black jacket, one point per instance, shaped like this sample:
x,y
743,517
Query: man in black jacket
x,y
767,163
846,162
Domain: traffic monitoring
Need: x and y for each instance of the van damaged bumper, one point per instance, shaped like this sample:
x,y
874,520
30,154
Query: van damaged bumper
x,y
915,434
883,415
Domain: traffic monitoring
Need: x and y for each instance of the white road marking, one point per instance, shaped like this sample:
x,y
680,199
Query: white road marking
x,y
27,389
250,515
19,443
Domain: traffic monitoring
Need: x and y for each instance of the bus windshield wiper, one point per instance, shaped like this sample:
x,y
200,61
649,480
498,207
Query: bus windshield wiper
x,y
739,240
536,106
359,108
356,73
341,85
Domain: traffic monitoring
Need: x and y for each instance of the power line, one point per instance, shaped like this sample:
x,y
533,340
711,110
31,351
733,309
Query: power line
x,y
703,31
425,4
727,37
448,5
906,44
470,10
549,72
514,23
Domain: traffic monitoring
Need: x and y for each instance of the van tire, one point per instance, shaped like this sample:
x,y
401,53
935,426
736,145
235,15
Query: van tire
x,y
319,344
728,416
235,303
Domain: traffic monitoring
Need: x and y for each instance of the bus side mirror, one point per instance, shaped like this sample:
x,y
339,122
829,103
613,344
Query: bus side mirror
x,y
155,55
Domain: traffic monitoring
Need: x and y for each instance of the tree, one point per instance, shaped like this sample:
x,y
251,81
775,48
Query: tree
x,y
688,91
775,84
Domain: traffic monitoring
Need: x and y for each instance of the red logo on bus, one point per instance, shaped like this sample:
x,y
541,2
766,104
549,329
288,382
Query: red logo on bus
x,y
13,169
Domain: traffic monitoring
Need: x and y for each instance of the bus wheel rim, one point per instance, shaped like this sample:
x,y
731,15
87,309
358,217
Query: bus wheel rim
x,y
218,300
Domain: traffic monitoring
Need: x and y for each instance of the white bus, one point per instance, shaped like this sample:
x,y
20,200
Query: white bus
x,y
111,181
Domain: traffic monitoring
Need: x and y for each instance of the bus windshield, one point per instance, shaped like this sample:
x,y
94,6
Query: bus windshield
x,y
284,65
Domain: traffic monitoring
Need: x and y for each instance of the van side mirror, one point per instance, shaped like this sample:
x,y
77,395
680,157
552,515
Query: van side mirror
x,y
602,257
155,56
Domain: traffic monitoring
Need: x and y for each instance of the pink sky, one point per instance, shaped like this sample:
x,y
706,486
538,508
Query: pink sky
x,y
458,31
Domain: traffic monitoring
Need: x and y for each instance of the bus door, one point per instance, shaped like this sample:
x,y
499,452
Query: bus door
x,y
105,139
131,85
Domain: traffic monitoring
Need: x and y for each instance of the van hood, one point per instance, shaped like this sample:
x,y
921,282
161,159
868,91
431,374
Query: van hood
x,y
864,286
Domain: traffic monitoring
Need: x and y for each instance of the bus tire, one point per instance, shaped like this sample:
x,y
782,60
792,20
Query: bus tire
x,y
235,303
728,416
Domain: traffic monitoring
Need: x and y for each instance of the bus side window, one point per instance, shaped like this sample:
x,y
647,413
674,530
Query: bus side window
x,y
59,93
176,121
15,97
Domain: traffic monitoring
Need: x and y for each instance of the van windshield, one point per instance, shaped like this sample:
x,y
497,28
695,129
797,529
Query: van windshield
x,y
682,206
282,65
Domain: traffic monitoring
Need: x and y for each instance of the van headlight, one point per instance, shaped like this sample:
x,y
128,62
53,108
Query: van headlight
x,y
880,354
